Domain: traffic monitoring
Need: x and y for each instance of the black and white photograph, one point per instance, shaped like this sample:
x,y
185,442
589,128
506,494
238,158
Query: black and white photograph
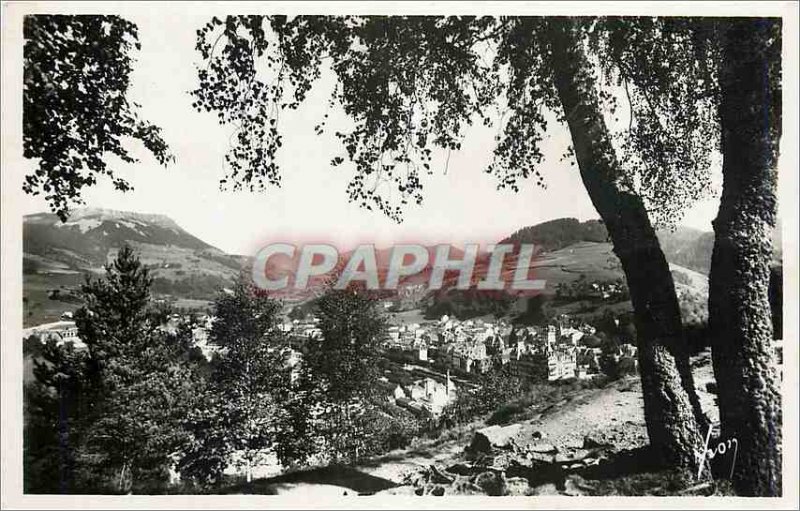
x,y
402,255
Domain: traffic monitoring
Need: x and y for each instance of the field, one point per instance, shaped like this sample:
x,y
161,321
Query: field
x,y
38,307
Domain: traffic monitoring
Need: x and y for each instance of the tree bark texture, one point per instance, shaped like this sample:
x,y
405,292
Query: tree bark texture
x,y
671,406
739,309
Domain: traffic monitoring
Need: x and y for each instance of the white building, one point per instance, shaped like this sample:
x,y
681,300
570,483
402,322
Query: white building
x,y
61,332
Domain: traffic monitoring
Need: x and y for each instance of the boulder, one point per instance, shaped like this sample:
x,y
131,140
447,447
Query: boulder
x,y
541,457
563,458
543,448
516,486
502,437
438,477
491,483
590,442
460,469
501,462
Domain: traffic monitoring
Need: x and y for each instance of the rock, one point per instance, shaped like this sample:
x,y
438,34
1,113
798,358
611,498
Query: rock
x,y
544,489
460,469
562,458
491,483
590,442
541,457
543,448
437,491
574,486
579,454
537,435
438,477
419,491
405,491
463,486
516,486
502,437
501,462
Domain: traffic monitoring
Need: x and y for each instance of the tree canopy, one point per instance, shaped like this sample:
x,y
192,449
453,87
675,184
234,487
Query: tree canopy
x,y
412,84
75,106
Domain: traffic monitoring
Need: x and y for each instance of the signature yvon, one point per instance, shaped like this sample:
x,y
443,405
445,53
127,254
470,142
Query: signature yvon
x,y
721,449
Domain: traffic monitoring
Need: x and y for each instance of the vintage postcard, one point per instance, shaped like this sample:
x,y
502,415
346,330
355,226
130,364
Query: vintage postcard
x,y
401,255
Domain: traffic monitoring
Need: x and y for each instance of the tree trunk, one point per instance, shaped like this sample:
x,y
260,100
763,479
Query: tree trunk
x,y
739,310
672,409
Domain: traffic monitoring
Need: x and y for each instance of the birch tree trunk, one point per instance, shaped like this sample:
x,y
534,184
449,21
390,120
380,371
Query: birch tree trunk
x,y
739,310
671,406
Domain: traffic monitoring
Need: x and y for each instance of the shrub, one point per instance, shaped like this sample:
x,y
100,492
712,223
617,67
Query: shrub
x,y
505,414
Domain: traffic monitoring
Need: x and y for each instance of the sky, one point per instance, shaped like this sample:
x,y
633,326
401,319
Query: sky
x,y
461,203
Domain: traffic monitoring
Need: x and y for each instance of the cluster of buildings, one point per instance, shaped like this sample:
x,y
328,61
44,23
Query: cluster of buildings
x,y
426,397
549,352
61,332
300,330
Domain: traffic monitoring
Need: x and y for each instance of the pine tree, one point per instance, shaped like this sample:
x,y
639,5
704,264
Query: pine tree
x,y
118,406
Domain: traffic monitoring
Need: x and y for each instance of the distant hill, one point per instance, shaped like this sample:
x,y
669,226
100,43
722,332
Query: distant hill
x,y
560,233
684,246
57,256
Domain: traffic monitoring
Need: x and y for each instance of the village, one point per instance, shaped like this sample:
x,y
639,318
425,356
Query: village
x,y
430,362
433,360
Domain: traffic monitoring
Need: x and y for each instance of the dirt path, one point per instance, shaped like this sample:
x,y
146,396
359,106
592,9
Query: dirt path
x,y
613,414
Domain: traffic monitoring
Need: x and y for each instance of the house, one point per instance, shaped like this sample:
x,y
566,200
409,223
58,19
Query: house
x,y
426,395
551,364
61,332
561,363
422,353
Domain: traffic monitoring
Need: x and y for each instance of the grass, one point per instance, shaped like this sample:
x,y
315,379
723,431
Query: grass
x,y
541,397
37,307
659,484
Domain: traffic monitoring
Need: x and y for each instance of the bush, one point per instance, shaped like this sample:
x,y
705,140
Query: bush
x,y
505,414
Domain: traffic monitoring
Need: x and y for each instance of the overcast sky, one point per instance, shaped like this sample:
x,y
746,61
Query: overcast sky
x,y
461,205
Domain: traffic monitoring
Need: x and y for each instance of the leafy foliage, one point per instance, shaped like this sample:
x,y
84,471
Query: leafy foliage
x,y
492,389
412,84
345,361
75,106
335,395
238,420
668,69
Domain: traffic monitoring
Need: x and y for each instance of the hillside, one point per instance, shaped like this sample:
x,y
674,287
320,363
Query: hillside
x,y
57,256
684,246
560,440
584,263
557,234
